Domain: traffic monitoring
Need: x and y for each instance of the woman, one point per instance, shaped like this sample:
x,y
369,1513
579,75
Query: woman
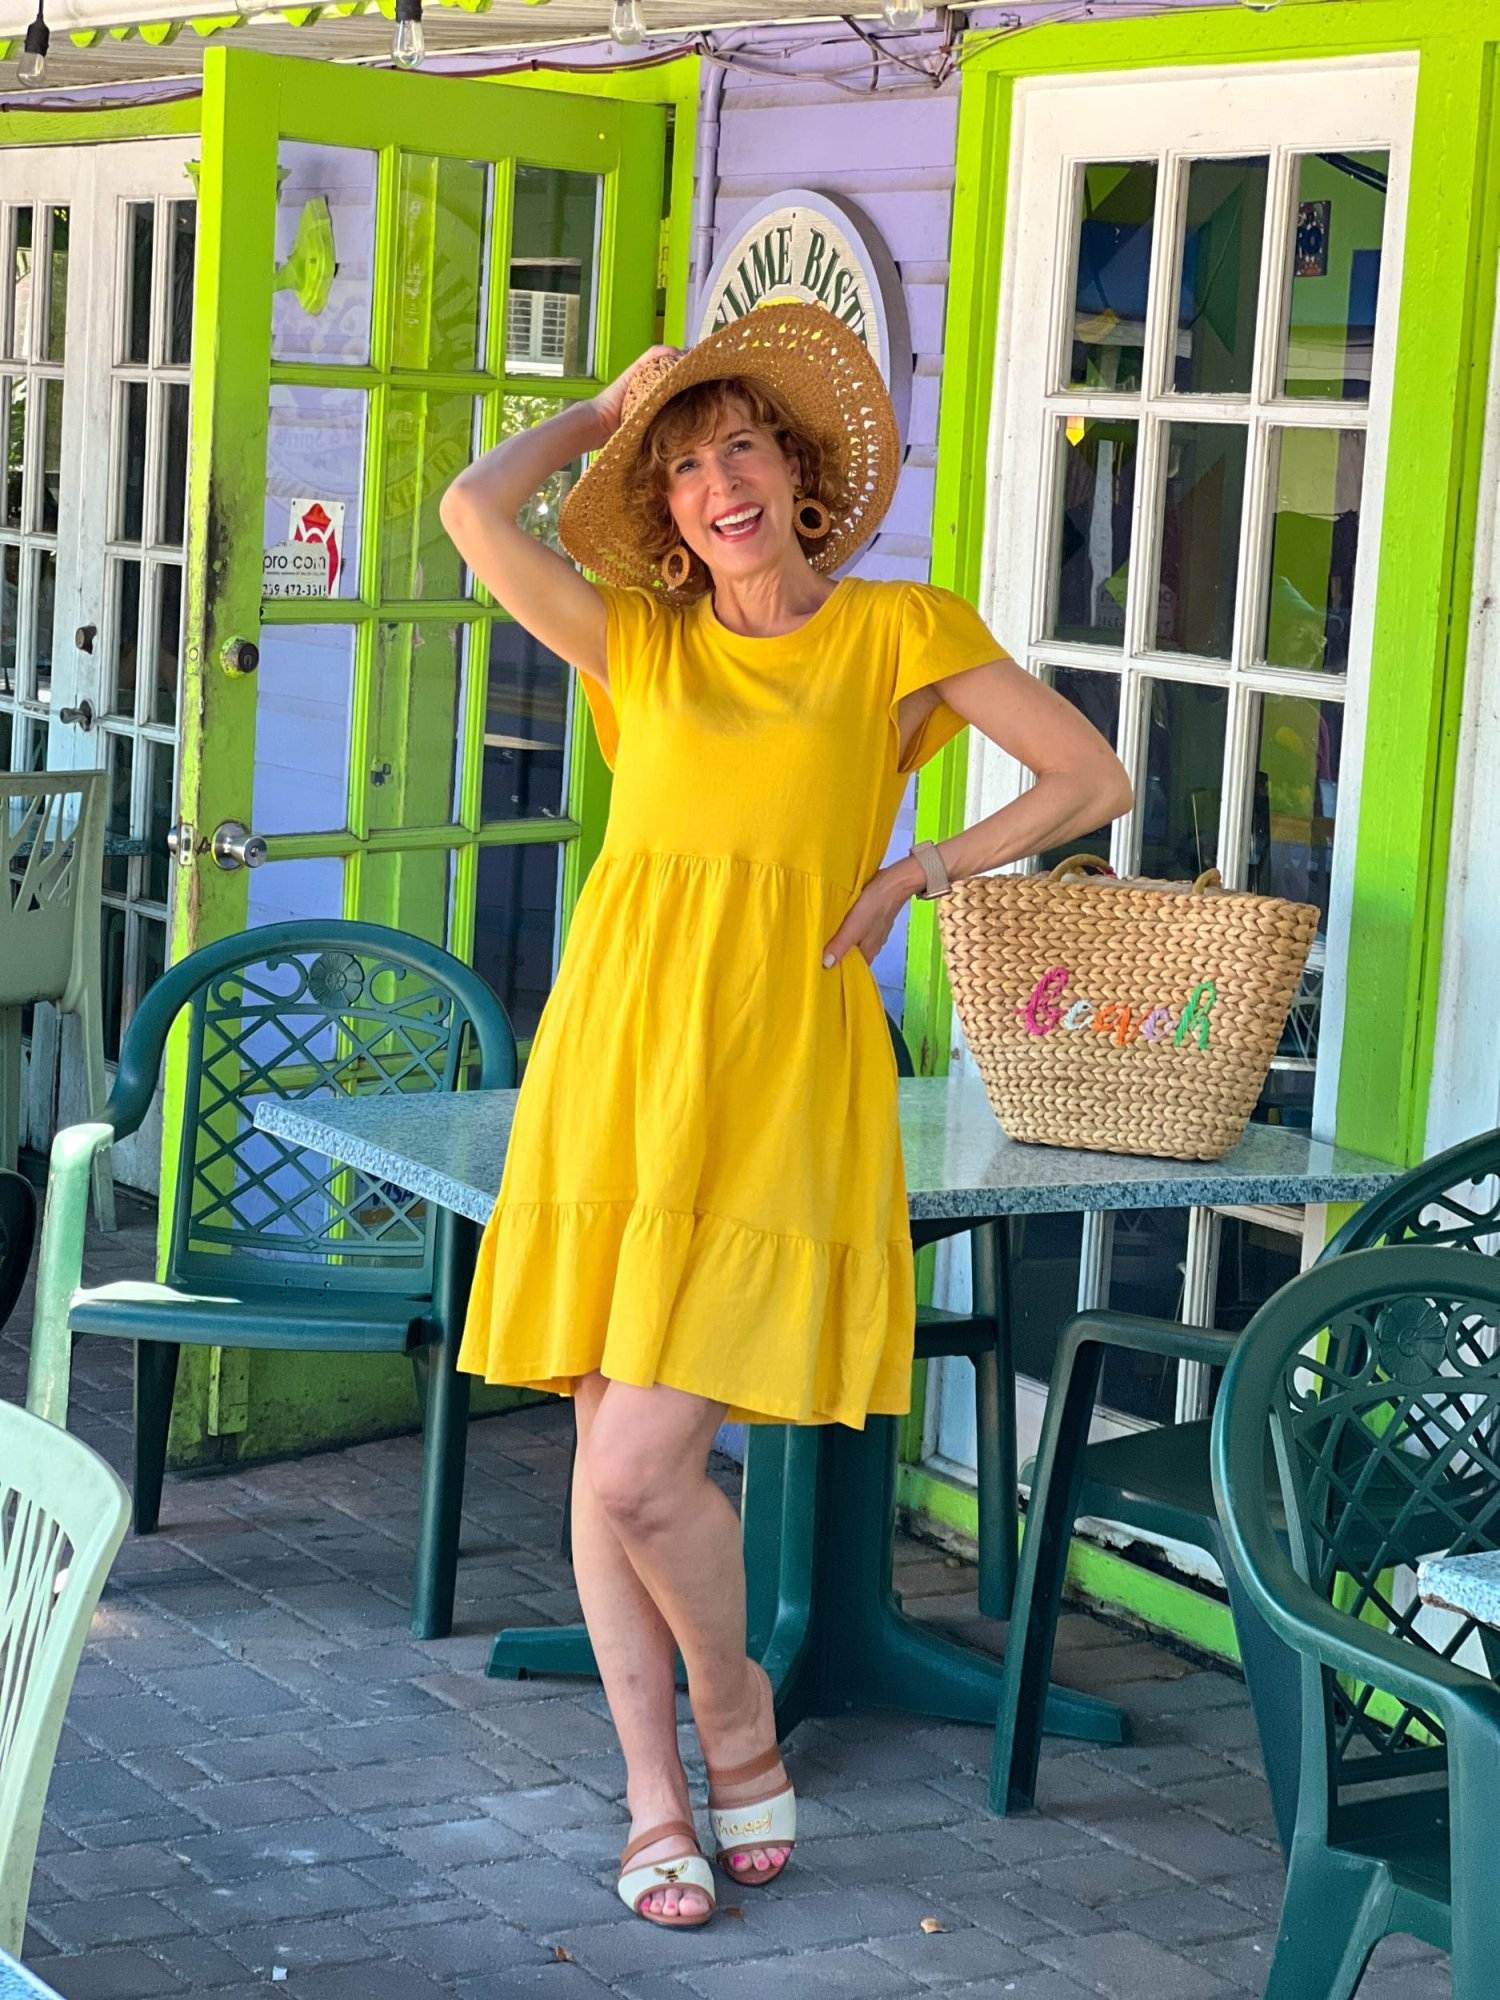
x,y
703,1214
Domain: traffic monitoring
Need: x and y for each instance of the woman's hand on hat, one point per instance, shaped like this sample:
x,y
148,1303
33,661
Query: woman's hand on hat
x,y
871,917
610,402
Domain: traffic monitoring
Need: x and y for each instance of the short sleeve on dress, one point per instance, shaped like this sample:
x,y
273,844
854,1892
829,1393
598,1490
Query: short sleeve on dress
x,y
940,634
629,615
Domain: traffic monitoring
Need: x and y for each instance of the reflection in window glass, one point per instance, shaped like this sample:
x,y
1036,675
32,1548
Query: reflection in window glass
x,y
56,335
1145,1259
13,445
1292,816
113,969
1200,538
539,515
1316,481
1254,1261
525,727
549,309
140,225
415,721
439,300
304,693
130,496
173,498
158,820
428,442
315,448
1216,300
43,618
47,500
168,642
515,926
1098,697
10,608
125,597
325,203
117,821
284,890
1335,286
1094,502
1117,205
1178,804
15,287
183,223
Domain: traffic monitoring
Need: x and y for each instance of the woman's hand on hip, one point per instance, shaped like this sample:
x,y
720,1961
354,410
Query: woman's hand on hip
x,y
873,914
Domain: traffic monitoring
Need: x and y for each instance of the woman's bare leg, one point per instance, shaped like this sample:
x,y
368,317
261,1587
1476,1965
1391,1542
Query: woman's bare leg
x,y
636,1656
648,1459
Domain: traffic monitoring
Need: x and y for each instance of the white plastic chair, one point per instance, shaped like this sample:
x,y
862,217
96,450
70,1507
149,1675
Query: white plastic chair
x,y
63,1514
51,870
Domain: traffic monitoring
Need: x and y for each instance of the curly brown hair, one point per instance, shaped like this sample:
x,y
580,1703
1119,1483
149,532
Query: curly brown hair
x,y
689,419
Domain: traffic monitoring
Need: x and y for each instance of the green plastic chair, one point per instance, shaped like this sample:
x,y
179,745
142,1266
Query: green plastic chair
x,y
1377,1381
62,1517
51,860
270,1246
1158,1480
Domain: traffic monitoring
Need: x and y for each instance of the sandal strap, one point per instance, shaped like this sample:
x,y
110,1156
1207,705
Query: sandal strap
x,y
689,1871
741,1774
655,1833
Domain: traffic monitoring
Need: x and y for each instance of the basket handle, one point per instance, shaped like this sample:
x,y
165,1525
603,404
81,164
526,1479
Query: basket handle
x,y
1209,879
1079,864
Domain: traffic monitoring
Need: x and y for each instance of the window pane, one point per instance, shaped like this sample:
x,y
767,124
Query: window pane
x,y
1094,502
43,609
56,334
1179,802
440,293
126,644
326,192
1254,1261
158,821
1098,697
173,500
130,512
304,692
1117,205
539,514
1202,509
140,226
428,440
13,442
549,316
1335,286
1293,814
10,611
1216,301
184,227
515,927
168,642
1316,480
15,306
117,825
315,448
152,945
1145,1259
525,727
415,716
46,502
1045,1253
114,978
283,890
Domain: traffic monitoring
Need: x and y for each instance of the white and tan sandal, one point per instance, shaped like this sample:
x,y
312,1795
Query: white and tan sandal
x,y
682,1871
767,1822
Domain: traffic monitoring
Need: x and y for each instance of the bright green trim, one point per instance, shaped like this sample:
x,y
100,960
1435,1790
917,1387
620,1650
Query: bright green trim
x,y
94,128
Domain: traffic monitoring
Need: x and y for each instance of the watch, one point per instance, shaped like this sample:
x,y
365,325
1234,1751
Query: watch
x,y
930,862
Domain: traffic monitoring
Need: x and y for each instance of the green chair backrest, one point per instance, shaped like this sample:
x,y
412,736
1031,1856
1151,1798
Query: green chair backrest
x,y
63,1514
1378,1379
1451,1201
318,1009
51,858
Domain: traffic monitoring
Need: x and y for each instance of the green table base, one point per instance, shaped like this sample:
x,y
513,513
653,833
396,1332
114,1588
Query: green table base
x,y
819,1525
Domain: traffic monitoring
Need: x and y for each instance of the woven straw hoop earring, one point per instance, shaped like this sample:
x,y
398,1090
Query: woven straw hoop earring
x,y
813,519
676,566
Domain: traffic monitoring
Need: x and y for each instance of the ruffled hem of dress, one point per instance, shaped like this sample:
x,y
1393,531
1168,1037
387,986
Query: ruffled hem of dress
x,y
649,1295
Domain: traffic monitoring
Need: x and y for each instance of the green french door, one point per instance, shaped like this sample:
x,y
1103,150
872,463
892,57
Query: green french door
x,y
395,271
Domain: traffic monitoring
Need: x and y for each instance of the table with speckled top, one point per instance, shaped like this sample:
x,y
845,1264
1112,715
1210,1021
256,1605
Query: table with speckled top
x,y
819,1501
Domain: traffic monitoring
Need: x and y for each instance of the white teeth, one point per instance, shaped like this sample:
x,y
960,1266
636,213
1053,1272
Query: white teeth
x,y
740,520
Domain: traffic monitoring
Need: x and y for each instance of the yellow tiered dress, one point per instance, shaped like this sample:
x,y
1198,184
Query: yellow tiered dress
x,y
704,1184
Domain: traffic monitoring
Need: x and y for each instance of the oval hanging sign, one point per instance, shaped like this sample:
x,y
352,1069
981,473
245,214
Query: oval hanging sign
x,y
805,245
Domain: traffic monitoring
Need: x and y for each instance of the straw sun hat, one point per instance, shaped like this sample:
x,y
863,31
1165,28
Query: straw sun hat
x,y
828,382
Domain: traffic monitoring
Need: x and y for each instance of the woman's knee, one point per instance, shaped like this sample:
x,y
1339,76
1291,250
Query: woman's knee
x,y
641,1490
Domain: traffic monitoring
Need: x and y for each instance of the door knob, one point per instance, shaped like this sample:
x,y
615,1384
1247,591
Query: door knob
x,y
84,638
83,715
235,846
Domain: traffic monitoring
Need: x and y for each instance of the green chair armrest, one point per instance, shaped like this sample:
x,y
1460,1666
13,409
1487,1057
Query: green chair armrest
x,y
1150,1336
60,1266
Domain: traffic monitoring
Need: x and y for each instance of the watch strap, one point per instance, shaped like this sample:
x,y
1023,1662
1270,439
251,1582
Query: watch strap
x,y
934,873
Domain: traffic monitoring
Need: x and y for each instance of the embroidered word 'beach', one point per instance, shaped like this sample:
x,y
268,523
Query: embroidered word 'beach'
x,y
1044,1011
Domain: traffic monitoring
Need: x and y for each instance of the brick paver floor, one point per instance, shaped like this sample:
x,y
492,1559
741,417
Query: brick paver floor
x,y
266,1784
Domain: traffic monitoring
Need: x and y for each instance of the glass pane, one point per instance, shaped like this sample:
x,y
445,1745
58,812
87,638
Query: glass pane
x,y
1316,481
1045,1254
1335,285
1145,1261
183,224
304,697
1117,206
56,334
140,226
1098,696
13,439
151,944
549,310
10,611
114,978
1202,509
515,926
428,439
525,727
43,608
325,213
314,472
1178,805
117,825
1254,1261
415,720
168,642
51,481
1216,301
1293,814
539,515
1094,503
131,487
15,321
284,890
439,305
173,500
126,635
159,820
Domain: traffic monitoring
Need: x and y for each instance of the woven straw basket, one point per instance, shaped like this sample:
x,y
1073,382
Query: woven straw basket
x,y
1122,1016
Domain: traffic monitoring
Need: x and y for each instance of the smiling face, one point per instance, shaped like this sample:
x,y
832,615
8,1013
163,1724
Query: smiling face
x,y
730,496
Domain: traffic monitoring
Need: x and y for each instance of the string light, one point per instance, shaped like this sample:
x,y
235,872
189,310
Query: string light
x,y
627,24
32,67
902,13
408,44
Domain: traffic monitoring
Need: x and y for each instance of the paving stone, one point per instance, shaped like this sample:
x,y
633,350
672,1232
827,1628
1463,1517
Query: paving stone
x,y
461,1843
367,1982
484,1944
300,1944
1185,1916
896,1857
848,1969
304,1843
1102,1876
291,1893
1046,1985
259,1802
831,1916
979,1894
539,1808
99,1789
113,1975
137,1867
1189,1845
542,1894
200,1962
1127,1967
224,1691
422,1779
930,1957
260,1757
97,1921
126,1722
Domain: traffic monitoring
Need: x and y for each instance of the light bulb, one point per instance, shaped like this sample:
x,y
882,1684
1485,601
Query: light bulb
x,y
408,44
32,67
627,24
902,13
